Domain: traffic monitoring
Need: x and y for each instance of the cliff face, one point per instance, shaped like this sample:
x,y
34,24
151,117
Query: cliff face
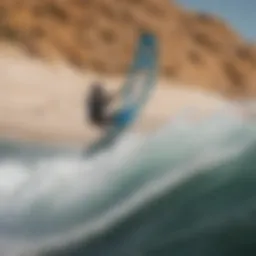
x,y
100,35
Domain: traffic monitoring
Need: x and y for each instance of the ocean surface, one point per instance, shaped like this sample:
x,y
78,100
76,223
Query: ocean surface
x,y
187,189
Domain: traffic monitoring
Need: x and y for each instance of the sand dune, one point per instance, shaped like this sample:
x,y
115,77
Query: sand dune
x,y
197,49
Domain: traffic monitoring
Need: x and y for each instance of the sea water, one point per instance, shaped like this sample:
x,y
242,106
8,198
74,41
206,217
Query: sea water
x,y
186,189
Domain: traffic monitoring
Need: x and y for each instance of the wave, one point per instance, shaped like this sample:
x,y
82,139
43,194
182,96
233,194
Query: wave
x,y
184,189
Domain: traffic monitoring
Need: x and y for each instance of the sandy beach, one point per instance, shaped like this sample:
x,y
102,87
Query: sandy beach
x,y
45,103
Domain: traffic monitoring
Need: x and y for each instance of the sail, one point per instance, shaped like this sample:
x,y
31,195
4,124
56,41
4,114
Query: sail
x,y
140,81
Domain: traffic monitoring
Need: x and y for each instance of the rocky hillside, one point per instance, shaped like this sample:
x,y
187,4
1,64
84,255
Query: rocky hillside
x,y
197,49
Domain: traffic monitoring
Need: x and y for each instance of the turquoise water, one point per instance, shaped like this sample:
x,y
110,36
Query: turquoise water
x,y
187,189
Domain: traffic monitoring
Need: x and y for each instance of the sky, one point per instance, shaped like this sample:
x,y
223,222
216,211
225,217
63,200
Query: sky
x,y
240,14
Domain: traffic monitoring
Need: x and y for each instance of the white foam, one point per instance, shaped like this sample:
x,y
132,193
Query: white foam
x,y
63,187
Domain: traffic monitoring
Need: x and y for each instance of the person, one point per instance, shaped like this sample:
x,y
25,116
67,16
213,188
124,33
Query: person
x,y
98,107
97,104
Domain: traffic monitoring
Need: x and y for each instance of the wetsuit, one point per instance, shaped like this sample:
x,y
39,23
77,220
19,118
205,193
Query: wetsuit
x,y
98,103
97,106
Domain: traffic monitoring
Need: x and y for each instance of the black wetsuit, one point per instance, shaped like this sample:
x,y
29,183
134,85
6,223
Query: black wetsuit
x,y
97,106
